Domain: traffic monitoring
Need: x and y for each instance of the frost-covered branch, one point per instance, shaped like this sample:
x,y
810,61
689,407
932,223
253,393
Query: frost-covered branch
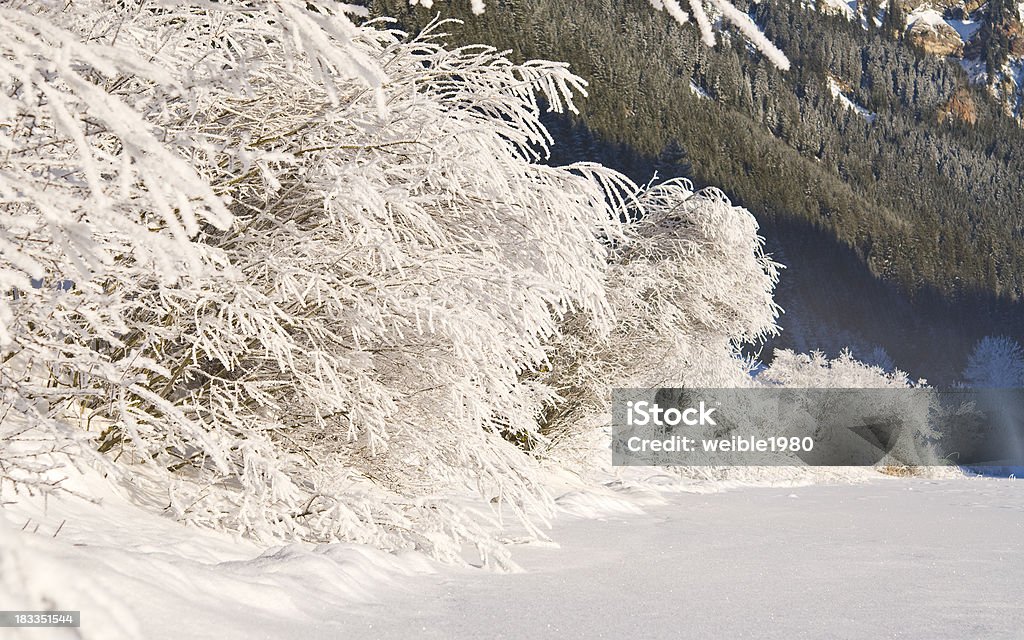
x,y
307,277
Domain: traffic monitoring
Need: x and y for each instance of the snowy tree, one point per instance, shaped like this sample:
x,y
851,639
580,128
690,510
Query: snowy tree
x,y
816,370
340,332
997,362
895,401
880,358
704,14
308,278
689,283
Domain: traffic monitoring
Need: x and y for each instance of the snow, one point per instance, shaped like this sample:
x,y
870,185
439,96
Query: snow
x,y
848,9
838,94
917,558
888,558
930,17
698,91
975,70
965,28
135,574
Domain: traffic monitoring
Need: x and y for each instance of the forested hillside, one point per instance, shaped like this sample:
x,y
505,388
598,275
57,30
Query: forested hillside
x,y
904,165
923,195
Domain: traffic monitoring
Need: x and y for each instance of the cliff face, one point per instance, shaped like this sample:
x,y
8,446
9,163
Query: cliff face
x,y
986,36
959,107
935,37
1014,32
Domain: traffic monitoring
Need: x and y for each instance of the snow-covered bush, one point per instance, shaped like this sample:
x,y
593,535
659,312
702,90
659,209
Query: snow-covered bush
x,y
688,284
816,371
900,404
997,362
336,339
98,206
305,279
303,271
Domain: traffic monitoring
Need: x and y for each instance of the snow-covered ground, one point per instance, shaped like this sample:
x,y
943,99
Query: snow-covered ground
x,y
887,558
892,558
698,91
964,28
847,103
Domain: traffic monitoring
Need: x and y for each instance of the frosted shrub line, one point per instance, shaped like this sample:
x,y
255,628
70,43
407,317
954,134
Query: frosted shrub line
x,y
303,279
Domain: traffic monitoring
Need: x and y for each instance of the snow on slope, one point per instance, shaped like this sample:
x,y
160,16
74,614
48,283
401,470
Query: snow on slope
x,y
890,558
134,574
698,91
964,28
893,558
837,93
926,16
915,558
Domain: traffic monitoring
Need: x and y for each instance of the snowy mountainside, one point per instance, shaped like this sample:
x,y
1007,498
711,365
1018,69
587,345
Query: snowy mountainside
x,y
986,38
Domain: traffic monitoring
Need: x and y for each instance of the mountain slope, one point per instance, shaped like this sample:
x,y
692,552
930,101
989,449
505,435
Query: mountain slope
x,y
893,153
924,198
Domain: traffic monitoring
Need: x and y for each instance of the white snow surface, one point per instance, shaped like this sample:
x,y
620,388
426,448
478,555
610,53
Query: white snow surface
x,y
965,28
698,91
657,558
929,16
837,93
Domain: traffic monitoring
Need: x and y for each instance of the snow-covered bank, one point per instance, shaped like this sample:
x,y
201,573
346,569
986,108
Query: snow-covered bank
x,y
134,574
908,558
889,558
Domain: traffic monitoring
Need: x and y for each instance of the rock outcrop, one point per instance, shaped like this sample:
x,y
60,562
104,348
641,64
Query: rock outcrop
x,y
935,38
960,107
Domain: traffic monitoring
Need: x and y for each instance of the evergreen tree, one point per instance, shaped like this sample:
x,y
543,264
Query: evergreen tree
x,y
995,34
673,161
894,23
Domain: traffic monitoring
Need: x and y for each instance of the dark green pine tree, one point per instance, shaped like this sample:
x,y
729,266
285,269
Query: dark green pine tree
x,y
673,161
895,20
